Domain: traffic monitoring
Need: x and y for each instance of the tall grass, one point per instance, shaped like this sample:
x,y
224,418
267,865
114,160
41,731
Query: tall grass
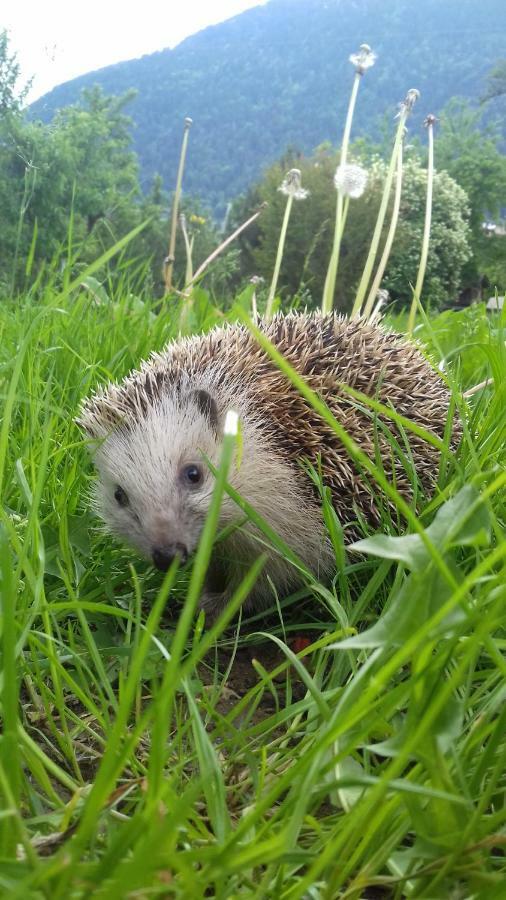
x,y
349,742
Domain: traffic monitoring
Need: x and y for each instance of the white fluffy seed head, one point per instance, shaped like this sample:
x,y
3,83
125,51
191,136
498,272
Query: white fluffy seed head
x,y
364,59
350,180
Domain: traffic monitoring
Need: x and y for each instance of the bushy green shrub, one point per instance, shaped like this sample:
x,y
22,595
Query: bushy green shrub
x,y
309,237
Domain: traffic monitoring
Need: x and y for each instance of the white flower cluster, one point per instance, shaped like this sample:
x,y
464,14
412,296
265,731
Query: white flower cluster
x,y
291,185
350,180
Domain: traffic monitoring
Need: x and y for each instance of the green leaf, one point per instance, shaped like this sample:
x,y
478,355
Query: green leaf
x,y
96,289
448,724
408,549
463,520
79,534
417,599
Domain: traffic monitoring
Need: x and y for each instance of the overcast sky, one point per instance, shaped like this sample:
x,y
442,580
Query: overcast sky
x,y
56,40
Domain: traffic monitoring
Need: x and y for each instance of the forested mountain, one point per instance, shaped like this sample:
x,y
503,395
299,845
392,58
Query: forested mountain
x,y
278,75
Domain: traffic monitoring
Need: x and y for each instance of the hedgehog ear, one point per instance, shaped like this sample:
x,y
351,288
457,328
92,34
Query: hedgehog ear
x,y
207,406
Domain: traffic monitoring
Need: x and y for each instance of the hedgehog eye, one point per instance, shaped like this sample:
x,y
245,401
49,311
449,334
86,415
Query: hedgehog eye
x,y
121,496
192,475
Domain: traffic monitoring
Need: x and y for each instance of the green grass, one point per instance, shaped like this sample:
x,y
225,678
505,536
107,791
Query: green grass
x,y
144,756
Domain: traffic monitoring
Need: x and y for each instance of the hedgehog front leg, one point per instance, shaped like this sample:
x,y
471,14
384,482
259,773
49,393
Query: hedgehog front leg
x,y
213,603
216,593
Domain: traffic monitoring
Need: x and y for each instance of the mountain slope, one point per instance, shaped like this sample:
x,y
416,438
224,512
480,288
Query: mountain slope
x,y
278,75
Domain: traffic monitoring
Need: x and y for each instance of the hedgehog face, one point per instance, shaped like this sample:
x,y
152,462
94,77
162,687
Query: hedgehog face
x,y
155,487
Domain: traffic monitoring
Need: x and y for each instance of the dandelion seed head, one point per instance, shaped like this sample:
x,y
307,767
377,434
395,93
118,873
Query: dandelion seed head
x,y
364,59
430,121
291,185
350,180
409,101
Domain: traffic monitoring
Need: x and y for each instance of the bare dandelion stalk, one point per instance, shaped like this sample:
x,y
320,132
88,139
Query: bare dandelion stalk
x,y
362,60
381,299
331,276
170,259
207,262
185,309
478,387
188,248
350,181
429,124
376,285
291,187
405,108
279,257
256,281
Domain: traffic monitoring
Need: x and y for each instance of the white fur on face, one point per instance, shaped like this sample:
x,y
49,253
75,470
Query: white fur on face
x,y
146,461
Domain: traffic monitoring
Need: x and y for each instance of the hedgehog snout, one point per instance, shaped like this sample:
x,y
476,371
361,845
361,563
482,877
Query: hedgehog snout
x,y
163,556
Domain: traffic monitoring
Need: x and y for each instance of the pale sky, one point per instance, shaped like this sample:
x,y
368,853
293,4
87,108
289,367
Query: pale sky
x,y
56,40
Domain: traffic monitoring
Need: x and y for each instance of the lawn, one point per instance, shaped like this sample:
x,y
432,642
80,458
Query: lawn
x,y
348,742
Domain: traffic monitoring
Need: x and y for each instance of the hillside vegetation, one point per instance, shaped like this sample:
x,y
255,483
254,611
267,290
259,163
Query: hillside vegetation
x,y
277,75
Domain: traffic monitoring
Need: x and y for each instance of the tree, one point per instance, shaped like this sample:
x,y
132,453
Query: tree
x,y
81,165
11,96
308,243
496,86
470,150
450,235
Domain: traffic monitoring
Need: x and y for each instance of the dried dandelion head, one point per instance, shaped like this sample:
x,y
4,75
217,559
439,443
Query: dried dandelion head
x,y
409,101
350,180
382,297
364,59
291,185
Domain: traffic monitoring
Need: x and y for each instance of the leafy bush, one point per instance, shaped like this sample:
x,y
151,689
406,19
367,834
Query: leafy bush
x,y
309,237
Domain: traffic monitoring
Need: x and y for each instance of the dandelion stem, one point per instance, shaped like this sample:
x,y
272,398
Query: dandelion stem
x,y
349,118
366,274
188,249
185,309
373,293
224,244
478,387
279,257
331,277
169,268
426,229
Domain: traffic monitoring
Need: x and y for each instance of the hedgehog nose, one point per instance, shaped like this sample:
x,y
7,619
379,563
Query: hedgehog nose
x,y
163,556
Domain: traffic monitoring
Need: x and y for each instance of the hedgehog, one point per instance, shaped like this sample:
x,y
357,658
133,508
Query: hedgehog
x,y
154,434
